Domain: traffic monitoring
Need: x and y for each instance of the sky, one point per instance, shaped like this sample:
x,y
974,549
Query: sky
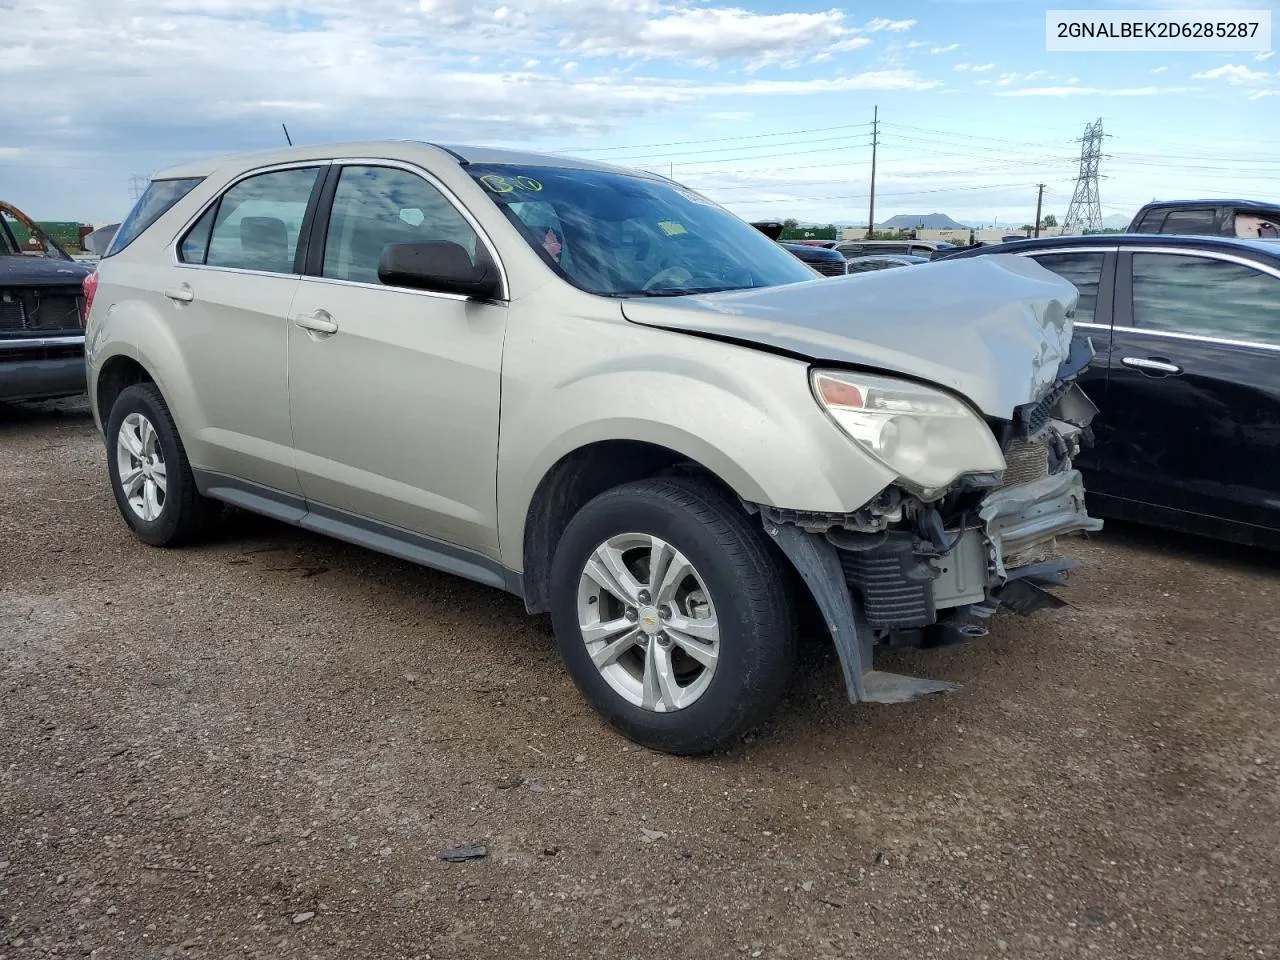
x,y
764,105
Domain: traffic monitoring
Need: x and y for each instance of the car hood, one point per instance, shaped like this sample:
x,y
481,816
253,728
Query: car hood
x,y
26,271
994,329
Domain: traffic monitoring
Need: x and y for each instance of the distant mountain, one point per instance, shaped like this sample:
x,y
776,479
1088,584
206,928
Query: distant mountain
x,y
1117,221
925,221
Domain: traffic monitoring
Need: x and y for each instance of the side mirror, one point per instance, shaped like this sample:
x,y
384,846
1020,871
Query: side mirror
x,y
440,266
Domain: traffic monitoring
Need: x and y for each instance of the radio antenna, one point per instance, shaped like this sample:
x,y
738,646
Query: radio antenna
x,y
286,134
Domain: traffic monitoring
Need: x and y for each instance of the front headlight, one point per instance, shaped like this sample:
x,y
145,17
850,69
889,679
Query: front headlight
x,y
926,436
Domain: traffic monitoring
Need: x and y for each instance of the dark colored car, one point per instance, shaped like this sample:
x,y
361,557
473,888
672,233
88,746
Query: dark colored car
x,y
1214,218
826,261
1187,376
41,314
911,248
883,261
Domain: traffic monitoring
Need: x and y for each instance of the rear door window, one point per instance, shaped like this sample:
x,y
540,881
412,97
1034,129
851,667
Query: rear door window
x,y
1205,297
154,203
1197,222
256,224
1082,269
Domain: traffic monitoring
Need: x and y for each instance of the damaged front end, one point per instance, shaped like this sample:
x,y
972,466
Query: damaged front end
x,y
916,569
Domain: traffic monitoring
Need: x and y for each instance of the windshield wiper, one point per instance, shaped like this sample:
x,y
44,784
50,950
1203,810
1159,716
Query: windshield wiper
x,y
672,292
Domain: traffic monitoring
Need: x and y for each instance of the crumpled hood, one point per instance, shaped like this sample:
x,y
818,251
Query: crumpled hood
x,y
27,271
993,328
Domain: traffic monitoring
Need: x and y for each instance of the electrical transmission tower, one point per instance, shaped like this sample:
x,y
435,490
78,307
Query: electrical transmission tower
x,y
137,185
1085,211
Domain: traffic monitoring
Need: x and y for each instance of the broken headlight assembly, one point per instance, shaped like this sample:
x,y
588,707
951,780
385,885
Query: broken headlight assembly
x,y
926,436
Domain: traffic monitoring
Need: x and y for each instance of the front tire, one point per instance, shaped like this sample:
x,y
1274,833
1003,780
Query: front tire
x,y
150,474
672,614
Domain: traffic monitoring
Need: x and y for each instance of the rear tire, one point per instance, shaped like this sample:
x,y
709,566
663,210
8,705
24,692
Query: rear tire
x,y
151,477
704,658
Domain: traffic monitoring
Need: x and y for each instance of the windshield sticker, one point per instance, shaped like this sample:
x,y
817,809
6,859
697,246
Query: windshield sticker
x,y
671,228
551,243
500,184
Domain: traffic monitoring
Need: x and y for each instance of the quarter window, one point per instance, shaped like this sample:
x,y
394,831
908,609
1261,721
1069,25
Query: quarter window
x,y
375,207
1082,269
1205,297
255,225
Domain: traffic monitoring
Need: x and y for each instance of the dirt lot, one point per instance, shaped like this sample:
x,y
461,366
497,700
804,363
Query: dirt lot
x,y
258,747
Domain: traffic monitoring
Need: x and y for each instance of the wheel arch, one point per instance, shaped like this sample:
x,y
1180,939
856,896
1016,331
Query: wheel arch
x,y
575,479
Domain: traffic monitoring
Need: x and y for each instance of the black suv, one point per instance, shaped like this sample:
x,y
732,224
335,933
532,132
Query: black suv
x,y
1213,218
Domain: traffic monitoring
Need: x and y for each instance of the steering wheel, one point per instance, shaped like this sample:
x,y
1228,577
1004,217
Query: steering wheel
x,y
670,277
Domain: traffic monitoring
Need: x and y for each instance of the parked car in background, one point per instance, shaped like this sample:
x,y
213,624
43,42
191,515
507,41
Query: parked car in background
x,y
914,248
1187,331
825,260
600,391
883,261
41,313
1218,218
98,242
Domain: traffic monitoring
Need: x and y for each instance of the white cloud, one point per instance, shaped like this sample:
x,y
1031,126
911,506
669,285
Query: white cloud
x,y
570,66
1159,69
1006,79
893,26
895,79
984,68
1259,94
947,49
1235,75
916,44
1264,57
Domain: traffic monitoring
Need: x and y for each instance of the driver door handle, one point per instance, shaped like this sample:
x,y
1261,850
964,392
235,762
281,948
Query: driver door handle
x,y
181,294
1151,365
318,322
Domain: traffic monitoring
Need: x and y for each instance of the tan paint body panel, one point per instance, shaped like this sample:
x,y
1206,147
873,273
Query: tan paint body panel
x,y
441,416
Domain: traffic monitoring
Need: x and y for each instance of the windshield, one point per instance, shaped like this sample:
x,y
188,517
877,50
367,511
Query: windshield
x,y
22,236
619,235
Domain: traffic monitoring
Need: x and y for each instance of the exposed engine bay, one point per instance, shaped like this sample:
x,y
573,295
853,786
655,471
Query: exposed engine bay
x,y
906,573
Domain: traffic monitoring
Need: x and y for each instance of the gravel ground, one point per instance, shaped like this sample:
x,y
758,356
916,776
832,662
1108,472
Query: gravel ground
x,y
258,748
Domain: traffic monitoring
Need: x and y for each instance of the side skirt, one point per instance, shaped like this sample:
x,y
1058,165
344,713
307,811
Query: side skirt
x,y
362,531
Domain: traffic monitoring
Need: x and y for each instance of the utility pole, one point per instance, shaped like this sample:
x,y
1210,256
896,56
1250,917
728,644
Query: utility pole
x,y
1039,201
875,141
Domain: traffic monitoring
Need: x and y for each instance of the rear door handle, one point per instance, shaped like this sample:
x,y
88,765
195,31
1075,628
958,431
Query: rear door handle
x,y
318,322
1151,365
181,294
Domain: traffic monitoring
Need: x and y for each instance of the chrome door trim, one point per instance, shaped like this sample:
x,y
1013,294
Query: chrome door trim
x,y
1266,268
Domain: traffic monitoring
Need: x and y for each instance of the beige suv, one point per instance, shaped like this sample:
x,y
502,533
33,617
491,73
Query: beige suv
x,y
602,392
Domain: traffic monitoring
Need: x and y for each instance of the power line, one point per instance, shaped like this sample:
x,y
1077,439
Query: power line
x,y
745,136
974,136
764,146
